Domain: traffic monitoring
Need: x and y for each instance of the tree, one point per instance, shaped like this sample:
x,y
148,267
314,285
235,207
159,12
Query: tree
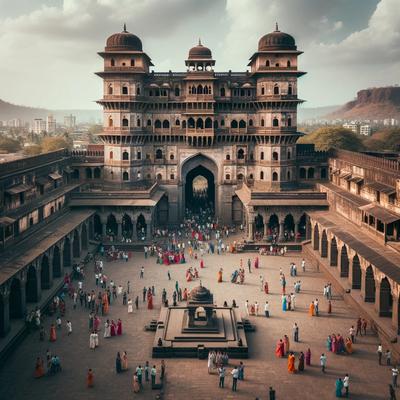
x,y
387,139
334,137
54,143
33,150
9,145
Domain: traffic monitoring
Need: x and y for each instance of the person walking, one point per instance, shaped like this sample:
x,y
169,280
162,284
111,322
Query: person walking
x,y
388,356
352,333
379,351
322,361
395,374
221,374
266,309
235,376
346,380
153,374
392,392
295,332
141,276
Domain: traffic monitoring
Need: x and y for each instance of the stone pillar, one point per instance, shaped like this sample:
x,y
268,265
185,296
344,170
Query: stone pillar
x,y
281,231
119,230
5,310
148,230
39,286
51,278
308,228
251,230
377,304
23,296
134,231
296,231
265,230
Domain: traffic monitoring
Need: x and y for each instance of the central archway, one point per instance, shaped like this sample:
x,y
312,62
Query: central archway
x,y
199,174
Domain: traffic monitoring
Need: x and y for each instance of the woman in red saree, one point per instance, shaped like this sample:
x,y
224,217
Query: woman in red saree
x,y
90,379
219,280
256,263
201,263
113,328
149,300
185,295
266,290
119,327
279,349
53,335
39,368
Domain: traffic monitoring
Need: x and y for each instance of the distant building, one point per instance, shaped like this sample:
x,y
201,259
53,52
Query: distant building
x,y
70,121
354,127
14,123
39,126
50,124
365,130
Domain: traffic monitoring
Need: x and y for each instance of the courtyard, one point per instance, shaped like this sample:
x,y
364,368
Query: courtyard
x,y
189,377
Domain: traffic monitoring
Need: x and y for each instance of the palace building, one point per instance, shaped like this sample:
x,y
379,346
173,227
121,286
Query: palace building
x,y
228,137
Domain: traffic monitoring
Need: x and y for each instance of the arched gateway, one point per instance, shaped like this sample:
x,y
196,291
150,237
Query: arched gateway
x,y
199,176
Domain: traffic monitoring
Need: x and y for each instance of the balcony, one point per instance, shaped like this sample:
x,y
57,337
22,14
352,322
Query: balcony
x,y
199,132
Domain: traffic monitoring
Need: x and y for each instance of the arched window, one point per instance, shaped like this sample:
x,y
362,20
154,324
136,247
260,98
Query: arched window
x,y
289,121
165,124
208,123
138,122
262,155
276,89
171,157
149,122
222,122
205,91
228,157
215,124
262,175
112,62
138,91
310,173
262,90
251,156
242,124
250,122
267,63
157,92
288,175
288,64
111,156
239,177
193,89
125,122
125,176
222,92
251,176
290,90
159,154
177,122
110,89
172,177
234,124
303,173
110,122
199,123
277,65
275,176
275,156
275,122
139,155
125,155
177,91
262,122
289,155
157,124
227,177
124,89
240,154
191,123
159,177
199,89
132,62
184,124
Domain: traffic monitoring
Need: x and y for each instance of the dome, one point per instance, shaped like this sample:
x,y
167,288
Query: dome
x,y
199,52
200,294
124,41
277,40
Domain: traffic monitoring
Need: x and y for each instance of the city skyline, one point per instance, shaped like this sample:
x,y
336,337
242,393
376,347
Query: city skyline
x,y
348,45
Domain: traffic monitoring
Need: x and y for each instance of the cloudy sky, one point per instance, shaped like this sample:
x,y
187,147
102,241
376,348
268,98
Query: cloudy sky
x,y
48,47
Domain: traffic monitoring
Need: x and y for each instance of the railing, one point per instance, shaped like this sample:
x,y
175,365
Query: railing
x,y
364,160
33,161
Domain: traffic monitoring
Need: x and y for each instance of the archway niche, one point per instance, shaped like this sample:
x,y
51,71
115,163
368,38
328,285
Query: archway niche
x,y
31,288
369,296
45,282
141,227
67,253
76,248
324,244
259,225
56,262
334,253
344,263
385,299
97,225
15,300
127,227
199,189
112,226
84,237
356,273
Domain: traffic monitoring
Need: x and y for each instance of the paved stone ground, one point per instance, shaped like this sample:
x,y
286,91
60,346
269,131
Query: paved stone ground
x,y
188,378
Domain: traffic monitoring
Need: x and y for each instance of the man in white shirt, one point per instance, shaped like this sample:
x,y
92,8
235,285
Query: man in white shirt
x,y
379,351
69,327
395,374
235,376
266,309
346,385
